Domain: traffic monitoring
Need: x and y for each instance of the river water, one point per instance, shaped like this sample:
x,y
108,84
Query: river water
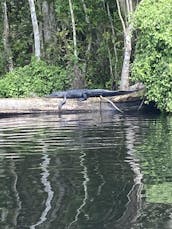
x,y
86,171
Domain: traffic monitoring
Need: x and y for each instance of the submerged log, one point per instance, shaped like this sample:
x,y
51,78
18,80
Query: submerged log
x,y
130,101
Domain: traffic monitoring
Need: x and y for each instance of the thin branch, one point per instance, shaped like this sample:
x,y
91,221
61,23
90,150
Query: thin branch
x,y
110,63
113,104
73,28
131,5
128,6
87,19
120,15
85,11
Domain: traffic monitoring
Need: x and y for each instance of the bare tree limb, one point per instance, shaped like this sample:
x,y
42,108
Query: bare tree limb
x,y
120,15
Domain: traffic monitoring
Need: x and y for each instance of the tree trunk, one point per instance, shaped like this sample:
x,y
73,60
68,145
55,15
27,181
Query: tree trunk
x,y
49,24
127,4
124,84
40,27
49,29
35,29
7,49
46,24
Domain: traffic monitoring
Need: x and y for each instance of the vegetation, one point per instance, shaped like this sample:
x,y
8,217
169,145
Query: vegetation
x,y
86,44
35,79
95,58
153,56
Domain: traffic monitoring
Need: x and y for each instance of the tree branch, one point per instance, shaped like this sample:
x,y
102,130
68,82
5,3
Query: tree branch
x,y
120,15
73,28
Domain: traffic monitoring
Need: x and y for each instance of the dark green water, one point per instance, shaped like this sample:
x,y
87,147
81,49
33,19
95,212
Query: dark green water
x,y
86,172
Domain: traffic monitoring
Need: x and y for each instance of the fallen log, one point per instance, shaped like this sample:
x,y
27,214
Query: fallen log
x,y
123,103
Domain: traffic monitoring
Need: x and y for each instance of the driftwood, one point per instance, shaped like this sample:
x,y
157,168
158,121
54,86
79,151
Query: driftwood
x,y
50,105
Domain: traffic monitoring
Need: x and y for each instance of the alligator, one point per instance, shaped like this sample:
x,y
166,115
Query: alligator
x,y
83,94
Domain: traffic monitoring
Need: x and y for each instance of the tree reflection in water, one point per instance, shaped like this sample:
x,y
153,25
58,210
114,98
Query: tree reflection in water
x,y
47,189
86,180
70,172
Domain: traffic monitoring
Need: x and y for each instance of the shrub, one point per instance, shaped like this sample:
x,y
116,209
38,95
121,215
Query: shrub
x,y
37,78
153,56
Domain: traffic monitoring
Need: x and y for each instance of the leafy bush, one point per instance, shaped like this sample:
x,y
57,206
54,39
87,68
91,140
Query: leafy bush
x,y
37,78
153,57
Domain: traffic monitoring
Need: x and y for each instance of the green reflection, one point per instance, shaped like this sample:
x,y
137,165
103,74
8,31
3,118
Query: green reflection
x,y
156,160
155,156
159,193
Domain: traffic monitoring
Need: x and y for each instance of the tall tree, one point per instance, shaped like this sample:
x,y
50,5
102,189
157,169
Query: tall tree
x,y
35,29
127,30
7,48
49,26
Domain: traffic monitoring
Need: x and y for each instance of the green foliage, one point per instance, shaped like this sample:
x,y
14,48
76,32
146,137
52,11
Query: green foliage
x,y
153,57
20,34
93,28
94,33
37,78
